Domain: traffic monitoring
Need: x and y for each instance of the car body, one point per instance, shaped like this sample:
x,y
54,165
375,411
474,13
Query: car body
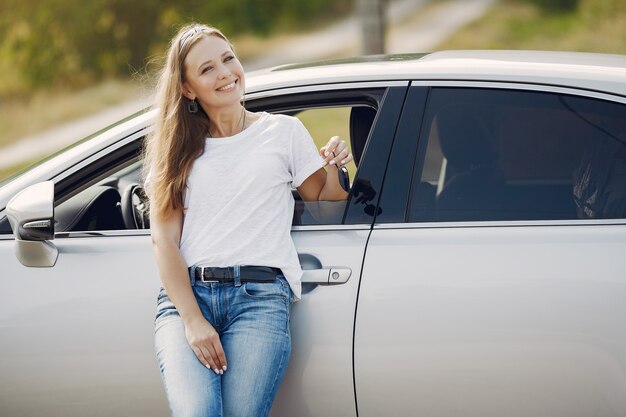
x,y
477,268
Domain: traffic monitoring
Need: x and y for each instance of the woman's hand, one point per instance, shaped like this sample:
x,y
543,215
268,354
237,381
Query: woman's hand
x,y
323,185
335,152
206,344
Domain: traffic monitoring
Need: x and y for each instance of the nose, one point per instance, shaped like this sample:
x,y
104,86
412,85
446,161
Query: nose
x,y
224,72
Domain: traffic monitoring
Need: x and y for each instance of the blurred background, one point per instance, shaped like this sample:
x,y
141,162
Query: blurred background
x,y
71,67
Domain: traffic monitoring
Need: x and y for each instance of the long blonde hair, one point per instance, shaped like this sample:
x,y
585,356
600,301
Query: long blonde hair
x,y
178,135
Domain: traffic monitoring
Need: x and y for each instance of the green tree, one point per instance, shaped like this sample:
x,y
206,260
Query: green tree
x,y
73,42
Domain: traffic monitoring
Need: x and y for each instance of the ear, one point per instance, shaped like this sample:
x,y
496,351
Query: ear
x,y
187,92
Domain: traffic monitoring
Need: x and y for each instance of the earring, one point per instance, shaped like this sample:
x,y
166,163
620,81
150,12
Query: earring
x,y
192,106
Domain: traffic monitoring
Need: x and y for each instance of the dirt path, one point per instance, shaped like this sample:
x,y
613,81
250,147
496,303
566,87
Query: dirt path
x,y
414,26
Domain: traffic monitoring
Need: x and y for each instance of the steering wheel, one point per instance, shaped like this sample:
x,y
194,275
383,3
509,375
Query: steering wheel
x,y
135,207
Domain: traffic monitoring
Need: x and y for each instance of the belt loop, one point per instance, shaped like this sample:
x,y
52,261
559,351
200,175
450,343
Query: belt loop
x,y
237,276
192,274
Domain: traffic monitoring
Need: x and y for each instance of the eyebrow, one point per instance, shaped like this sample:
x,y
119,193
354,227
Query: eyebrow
x,y
210,60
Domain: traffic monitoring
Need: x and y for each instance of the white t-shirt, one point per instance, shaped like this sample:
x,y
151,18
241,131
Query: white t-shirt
x,y
239,204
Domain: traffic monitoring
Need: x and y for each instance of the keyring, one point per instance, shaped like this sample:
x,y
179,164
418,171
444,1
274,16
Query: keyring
x,y
342,172
344,178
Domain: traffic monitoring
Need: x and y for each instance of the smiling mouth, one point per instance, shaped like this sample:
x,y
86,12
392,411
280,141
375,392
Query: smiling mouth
x,y
228,86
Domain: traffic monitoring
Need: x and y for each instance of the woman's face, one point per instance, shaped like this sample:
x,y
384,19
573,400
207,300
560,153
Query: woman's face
x,y
213,74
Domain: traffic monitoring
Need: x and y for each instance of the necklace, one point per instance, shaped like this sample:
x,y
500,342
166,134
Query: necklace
x,y
243,123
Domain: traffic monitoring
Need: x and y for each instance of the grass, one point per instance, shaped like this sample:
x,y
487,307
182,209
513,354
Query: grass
x,y
19,117
322,124
516,24
12,170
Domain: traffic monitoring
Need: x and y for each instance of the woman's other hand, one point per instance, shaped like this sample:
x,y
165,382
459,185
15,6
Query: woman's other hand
x,y
206,344
335,152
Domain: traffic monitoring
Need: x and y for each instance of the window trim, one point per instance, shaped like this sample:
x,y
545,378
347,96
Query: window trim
x,y
146,232
501,223
546,88
325,87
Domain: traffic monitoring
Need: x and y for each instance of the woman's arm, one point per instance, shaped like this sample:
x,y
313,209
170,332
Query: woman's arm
x,y
324,185
202,337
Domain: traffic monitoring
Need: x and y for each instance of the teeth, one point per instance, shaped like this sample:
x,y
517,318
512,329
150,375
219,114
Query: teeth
x,y
227,87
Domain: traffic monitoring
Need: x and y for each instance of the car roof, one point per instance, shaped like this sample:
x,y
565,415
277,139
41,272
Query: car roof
x,y
591,71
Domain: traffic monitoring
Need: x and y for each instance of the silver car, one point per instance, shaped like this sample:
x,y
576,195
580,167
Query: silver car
x,y
478,267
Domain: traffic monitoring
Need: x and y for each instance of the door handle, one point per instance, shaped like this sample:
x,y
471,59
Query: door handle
x,y
327,276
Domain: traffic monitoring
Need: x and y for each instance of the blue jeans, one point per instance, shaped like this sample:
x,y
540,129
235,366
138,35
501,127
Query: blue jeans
x,y
253,323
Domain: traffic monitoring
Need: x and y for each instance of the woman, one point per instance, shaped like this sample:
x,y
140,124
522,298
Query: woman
x,y
219,179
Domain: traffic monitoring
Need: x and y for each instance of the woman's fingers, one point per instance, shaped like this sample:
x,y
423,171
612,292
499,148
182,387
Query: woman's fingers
x,y
327,153
340,157
214,347
343,157
214,361
331,146
206,344
204,357
336,151
220,355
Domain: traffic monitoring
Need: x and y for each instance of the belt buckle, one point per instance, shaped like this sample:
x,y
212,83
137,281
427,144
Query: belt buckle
x,y
202,279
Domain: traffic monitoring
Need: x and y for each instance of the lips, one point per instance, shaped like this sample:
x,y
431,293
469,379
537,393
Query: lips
x,y
228,87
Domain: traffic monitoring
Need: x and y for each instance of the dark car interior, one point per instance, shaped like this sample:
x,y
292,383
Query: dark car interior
x,y
115,203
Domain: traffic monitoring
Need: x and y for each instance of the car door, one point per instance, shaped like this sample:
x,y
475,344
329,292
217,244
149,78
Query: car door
x,y
330,238
494,278
77,338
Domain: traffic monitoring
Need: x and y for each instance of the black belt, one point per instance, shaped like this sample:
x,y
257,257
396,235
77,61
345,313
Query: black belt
x,y
246,274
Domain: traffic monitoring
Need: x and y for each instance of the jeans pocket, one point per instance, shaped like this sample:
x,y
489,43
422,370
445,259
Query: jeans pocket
x,y
264,290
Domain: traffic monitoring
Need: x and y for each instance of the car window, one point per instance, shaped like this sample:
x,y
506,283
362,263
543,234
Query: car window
x,y
101,206
518,155
109,203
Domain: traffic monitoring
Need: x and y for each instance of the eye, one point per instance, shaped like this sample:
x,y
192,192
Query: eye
x,y
205,69
228,58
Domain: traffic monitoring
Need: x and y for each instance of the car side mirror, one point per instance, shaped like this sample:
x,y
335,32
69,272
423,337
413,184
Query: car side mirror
x,y
31,215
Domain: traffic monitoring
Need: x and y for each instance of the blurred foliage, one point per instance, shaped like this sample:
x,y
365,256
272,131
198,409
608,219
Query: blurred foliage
x,y
75,42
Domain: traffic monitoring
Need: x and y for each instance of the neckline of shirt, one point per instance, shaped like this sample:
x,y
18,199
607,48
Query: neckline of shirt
x,y
241,135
